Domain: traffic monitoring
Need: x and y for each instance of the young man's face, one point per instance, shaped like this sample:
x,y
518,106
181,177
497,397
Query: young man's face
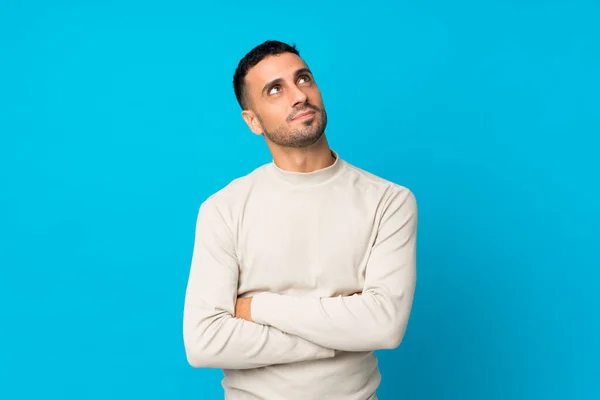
x,y
285,102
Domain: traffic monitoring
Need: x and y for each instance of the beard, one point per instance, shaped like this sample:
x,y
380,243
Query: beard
x,y
306,135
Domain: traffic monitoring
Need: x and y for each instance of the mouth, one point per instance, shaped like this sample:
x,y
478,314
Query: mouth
x,y
304,115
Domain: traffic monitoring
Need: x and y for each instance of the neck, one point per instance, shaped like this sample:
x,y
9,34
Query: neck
x,y
307,159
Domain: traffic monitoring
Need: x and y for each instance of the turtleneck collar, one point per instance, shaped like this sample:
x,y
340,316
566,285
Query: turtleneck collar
x,y
308,178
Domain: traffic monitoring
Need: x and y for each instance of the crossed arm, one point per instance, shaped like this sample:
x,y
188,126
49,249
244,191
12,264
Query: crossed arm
x,y
222,331
213,337
375,320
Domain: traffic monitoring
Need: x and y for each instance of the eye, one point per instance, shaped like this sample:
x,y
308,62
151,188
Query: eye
x,y
272,90
304,78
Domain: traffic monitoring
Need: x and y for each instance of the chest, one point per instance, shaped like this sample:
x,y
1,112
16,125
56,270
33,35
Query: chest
x,y
306,244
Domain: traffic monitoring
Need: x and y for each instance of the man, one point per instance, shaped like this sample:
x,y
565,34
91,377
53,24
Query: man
x,y
304,267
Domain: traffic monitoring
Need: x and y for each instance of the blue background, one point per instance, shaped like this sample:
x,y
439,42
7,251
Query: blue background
x,y
117,119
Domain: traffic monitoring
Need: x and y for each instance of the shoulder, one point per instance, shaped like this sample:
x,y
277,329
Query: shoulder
x,y
233,195
391,193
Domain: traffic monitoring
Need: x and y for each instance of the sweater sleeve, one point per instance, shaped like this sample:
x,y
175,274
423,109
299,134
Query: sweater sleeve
x,y
213,337
375,320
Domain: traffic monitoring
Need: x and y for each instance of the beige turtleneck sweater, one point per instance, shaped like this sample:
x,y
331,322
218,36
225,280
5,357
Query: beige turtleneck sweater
x,y
301,244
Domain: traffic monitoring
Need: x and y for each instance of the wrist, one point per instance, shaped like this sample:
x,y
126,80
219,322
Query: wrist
x,y
243,308
248,309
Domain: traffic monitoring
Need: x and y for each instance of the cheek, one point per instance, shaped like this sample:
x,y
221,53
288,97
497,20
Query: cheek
x,y
315,97
273,116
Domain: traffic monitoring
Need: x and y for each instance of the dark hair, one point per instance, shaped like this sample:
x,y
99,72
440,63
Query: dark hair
x,y
254,56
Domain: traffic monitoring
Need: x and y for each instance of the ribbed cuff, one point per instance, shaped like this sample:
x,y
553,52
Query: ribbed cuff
x,y
260,306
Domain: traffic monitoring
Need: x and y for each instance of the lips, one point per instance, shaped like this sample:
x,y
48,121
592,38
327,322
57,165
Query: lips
x,y
303,114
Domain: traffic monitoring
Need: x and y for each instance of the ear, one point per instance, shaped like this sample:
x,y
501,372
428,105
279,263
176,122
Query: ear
x,y
252,121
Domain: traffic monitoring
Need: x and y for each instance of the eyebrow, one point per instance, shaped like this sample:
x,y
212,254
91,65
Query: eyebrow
x,y
276,81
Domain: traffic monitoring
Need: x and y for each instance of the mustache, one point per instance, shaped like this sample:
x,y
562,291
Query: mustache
x,y
307,107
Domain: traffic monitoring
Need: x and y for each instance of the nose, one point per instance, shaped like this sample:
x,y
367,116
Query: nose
x,y
298,96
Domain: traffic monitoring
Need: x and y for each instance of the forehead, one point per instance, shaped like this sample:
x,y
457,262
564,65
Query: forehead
x,y
281,66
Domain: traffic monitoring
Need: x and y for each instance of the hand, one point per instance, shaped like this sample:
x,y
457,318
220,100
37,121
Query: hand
x,y
242,308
